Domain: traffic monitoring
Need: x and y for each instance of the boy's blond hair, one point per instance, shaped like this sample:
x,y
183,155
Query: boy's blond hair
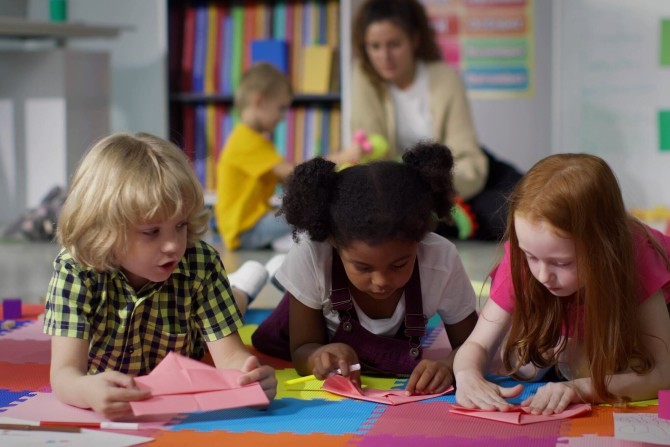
x,y
126,180
264,79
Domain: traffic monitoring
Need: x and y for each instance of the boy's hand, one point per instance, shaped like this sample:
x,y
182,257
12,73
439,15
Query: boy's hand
x,y
333,356
430,377
108,393
263,374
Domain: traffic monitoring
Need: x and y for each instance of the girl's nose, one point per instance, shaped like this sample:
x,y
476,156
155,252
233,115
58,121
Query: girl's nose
x,y
543,273
380,280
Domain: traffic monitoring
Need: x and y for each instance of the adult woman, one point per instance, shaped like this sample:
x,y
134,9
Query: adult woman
x,y
403,91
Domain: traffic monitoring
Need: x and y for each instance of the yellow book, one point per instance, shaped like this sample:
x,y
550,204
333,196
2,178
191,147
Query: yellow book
x,y
296,47
212,48
317,69
335,130
332,22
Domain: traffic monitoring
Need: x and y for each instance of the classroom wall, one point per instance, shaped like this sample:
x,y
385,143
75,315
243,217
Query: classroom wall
x,y
611,87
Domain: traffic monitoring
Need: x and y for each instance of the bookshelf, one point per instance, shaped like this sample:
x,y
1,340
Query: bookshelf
x,y
212,42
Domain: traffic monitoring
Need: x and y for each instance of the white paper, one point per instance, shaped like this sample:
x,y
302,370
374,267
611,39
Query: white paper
x,y
86,438
643,427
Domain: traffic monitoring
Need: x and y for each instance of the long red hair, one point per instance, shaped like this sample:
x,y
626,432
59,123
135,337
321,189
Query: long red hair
x,y
579,196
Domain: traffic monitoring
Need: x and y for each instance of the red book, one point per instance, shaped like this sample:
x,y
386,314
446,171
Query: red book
x,y
186,83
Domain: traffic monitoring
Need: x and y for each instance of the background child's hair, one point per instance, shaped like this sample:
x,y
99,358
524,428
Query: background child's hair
x,y
374,202
409,15
579,196
261,78
126,180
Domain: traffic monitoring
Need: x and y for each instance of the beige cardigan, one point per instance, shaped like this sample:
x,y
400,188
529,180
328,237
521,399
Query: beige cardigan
x,y
372,111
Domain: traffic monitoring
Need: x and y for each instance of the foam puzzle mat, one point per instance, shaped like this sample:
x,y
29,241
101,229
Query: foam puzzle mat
x,y
303,414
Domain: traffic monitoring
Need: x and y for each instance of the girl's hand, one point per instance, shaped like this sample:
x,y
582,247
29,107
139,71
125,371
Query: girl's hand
x,y
333,356
552,398
473,391
259,373
429,377
108,394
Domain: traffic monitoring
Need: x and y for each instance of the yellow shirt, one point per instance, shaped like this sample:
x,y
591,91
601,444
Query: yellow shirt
x,y
245,182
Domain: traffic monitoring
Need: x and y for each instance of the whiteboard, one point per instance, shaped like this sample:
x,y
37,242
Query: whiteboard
x,y
608,88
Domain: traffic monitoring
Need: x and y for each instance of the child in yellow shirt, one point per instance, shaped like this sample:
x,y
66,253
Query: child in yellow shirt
x,y
250,167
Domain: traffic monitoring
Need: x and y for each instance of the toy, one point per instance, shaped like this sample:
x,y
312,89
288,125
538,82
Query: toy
x,y
664,404
464,219
11,308
374,147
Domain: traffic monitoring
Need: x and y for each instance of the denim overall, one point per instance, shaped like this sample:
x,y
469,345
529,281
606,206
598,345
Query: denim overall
x,y
397,355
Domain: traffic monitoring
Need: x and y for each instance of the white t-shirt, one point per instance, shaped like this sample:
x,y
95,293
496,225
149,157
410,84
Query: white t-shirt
x,y
414,122
445,287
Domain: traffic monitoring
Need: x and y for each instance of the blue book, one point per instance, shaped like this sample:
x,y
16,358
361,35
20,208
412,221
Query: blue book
x,y
227,48
279,137
274,51
200,48
322,27
201,143
325,131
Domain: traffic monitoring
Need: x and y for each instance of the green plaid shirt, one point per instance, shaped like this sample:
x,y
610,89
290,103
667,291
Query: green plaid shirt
x,y
130,331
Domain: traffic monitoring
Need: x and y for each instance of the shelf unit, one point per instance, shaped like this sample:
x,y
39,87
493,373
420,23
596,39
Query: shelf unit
x,y
303,134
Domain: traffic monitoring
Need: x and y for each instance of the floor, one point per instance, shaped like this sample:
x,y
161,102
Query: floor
x,y
25,267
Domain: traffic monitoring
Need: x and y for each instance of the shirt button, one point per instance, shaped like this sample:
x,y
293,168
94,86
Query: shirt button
x,y
131,350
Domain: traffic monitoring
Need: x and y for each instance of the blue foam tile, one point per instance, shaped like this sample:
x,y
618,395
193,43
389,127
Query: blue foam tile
x,y
256,316
8,397
287,415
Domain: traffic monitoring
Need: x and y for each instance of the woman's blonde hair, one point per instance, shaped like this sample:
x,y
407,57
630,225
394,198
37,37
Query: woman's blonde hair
x,y
579,196
126,180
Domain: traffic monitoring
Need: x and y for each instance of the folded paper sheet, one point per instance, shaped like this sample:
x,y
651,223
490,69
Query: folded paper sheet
x,y
342,386
182,385
521,415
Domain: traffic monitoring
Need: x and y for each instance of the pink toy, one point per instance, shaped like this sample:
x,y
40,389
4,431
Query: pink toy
x,y
11,308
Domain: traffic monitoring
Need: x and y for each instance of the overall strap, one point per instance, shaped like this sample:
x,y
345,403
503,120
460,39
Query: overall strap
x,y
415,320
339,294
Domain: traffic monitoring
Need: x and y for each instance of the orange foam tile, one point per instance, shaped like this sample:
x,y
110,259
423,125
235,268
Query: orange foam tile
x,y
26,376
189,437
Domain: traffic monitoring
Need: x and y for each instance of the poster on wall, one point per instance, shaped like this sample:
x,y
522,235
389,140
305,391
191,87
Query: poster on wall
x,y
489,41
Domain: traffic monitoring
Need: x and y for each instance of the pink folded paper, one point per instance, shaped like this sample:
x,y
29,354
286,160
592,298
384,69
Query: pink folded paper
x,y
342,386
182,385
521,415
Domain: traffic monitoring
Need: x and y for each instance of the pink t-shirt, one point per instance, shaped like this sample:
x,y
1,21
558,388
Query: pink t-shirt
x,y
651,269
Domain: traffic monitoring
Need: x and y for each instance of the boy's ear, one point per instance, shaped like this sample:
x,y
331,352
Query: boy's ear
x,y
256,99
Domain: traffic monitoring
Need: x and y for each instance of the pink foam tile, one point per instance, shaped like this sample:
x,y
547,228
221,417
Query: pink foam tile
x,y
25,351
664,404
32,330
432,419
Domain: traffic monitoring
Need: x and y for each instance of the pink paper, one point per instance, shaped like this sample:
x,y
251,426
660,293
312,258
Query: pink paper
x,y
521,415
182,385
342,386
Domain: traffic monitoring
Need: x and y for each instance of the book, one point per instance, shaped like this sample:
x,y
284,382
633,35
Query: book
x,y
274,51
200,48
317,69
186,81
